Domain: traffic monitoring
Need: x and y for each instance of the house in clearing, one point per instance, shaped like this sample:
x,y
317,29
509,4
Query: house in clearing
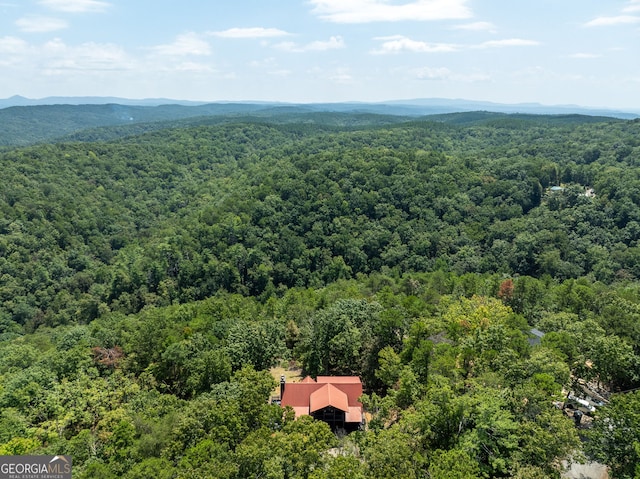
x,y
332,399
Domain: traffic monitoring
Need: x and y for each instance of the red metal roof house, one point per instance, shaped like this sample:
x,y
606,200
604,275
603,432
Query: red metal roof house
x,y
332,399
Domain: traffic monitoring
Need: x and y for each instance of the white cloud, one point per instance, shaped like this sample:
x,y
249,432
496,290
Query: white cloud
x,y
399,43
610,21
444,74
280,73
333,43
13,52
508,42
429,73
41,24
185,44
477,27
289,47
59,58
193,67
365,11
55,47
257,32
340,76
271,67
76,6
634,6
269,62
585,55
12,45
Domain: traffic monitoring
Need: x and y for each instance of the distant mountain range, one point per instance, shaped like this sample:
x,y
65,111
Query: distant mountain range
x,y
25,122
409,107
18,100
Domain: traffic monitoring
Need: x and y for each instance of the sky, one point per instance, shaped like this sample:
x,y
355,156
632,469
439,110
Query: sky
x,y
580,52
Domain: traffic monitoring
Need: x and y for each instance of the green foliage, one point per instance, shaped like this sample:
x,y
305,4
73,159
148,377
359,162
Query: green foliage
x,y
178,215
19,446
190,366
339,340
341,467
615,437
152,467
256,344
390,366
453,464
207,459
148,284
393,453
468,316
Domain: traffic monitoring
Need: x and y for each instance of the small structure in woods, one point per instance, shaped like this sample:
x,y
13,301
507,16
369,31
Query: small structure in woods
x,y
332,399
535,337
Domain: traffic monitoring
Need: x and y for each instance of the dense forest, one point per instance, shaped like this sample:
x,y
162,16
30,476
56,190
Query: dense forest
x,y
152,276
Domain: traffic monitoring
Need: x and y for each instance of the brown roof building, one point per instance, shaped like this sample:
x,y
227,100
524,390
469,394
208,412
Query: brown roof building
x,y
332,399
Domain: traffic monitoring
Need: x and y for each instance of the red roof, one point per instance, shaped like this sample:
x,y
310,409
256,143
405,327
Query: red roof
x,y
340,392
338,379
328,395
354,415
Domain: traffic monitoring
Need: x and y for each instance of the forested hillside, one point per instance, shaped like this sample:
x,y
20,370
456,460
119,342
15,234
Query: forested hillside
x,y
26,125
149,281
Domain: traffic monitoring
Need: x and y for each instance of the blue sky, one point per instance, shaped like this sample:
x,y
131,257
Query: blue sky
x,y
584,52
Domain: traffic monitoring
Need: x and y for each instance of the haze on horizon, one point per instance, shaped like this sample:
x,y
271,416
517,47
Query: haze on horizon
x,y
572,52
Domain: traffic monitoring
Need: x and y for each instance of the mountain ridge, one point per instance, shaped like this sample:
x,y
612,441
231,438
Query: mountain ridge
x,y
409,107
31,124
